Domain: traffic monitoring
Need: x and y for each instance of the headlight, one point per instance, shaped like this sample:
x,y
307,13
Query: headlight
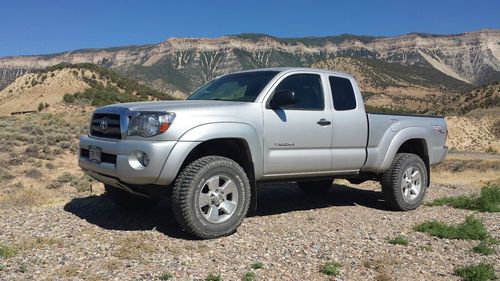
x,y
147,124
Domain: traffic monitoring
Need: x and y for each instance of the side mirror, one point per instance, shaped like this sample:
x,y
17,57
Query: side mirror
x,y
282,98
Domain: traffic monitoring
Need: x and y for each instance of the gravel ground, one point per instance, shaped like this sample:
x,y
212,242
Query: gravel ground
x,y
292,234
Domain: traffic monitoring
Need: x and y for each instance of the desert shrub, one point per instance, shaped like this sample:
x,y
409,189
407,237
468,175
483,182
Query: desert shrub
x,y
487,201
5,176
485,247
33,173
82,184
165,276
478,272
7,251
398,240
213,277
471,228
58,151
248,276
16,161
331,268
257,265
491,150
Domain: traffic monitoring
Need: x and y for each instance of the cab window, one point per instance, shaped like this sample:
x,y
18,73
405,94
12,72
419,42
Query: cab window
x,y
342,93
307,89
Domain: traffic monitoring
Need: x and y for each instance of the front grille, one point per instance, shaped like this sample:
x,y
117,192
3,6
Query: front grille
x,y
106,125
105,157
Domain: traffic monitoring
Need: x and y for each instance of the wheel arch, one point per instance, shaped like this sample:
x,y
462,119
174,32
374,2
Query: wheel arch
x,y
237,141
410,140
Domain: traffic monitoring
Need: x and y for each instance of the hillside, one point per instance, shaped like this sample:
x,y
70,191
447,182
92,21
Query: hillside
x,y
179,65
82,84
486,96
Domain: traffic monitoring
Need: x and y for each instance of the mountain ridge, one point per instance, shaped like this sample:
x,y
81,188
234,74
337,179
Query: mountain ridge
x,y
182,64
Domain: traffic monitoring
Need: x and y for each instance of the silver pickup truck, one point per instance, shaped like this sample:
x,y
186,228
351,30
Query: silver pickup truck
x,y
210,152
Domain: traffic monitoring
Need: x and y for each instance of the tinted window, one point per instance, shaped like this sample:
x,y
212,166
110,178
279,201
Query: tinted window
x,y
244,86
343,93
307,89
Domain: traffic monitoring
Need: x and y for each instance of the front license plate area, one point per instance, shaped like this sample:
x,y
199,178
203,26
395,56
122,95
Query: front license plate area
x,y
95,154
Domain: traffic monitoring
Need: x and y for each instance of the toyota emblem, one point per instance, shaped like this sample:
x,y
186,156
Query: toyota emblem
x,y
103,125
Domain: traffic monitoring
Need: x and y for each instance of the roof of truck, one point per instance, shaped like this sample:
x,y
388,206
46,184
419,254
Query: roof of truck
x,y
288,69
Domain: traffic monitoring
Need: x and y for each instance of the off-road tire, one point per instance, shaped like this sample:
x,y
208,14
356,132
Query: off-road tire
x,y
315,187
128,200
189,183
391,181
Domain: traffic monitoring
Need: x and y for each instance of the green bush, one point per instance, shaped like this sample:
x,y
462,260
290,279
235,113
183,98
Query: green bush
x,y
165,276
7,251
484,247
213,277
487,201
248,276
398,240
479,272
331,268
33,173
471,228
257,265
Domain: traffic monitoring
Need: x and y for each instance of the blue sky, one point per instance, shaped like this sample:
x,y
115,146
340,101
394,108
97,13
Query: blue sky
x,y
40,27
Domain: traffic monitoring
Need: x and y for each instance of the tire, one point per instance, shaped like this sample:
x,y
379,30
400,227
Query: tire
x,y
128,200
211,197
315,187
404,184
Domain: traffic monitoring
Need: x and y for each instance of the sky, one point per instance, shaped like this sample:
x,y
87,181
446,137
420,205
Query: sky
x,y
50,26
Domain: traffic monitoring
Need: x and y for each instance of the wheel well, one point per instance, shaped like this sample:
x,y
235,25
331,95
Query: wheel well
x,y
232,148
418,147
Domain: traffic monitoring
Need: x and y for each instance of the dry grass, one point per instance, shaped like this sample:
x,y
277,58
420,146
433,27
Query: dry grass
x,y
36,151
467,170
133,247
379,266
31,242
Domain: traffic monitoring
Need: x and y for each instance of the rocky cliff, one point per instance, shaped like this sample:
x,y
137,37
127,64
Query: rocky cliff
x,y
182,64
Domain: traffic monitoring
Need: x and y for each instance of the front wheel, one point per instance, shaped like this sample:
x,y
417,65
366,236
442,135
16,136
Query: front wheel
x,y
211,197
405,182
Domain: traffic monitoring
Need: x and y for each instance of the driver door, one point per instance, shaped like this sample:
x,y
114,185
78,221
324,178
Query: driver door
x,y
297,137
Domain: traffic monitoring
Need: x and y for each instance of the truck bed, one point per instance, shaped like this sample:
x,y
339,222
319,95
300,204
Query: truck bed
x,y
387,132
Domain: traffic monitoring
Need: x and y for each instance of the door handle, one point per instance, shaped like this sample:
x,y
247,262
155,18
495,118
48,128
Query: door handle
x,y
323,122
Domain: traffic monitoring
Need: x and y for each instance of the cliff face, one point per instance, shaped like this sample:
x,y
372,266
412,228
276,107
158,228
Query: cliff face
x,y
182,64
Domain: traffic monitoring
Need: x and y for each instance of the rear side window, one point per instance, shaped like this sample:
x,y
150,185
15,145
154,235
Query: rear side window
x,y
308,91
342,93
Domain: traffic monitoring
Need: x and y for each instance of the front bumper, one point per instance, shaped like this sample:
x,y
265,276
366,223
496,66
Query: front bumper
x,y
121,162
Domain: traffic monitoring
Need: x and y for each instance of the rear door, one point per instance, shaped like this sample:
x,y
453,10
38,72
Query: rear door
x,y
350,126
297,138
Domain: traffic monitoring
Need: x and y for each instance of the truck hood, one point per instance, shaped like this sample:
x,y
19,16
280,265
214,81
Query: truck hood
x,y
176,105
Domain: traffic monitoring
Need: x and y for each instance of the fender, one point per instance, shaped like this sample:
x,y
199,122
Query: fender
x,y
380,163
196,135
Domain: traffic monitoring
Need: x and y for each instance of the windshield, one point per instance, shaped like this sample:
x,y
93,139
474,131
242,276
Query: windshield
x,y
244,86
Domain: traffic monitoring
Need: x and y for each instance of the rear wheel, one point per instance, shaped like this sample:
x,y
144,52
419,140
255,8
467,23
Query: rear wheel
x,y
128,200
211,197
405,182
315,187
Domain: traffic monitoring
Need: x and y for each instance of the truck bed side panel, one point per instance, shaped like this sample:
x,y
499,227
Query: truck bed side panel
x,y
388,132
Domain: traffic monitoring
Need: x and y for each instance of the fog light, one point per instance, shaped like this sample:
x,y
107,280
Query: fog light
x,y
143,158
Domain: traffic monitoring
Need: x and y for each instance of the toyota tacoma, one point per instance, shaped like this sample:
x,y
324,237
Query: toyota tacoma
x,y
209,153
